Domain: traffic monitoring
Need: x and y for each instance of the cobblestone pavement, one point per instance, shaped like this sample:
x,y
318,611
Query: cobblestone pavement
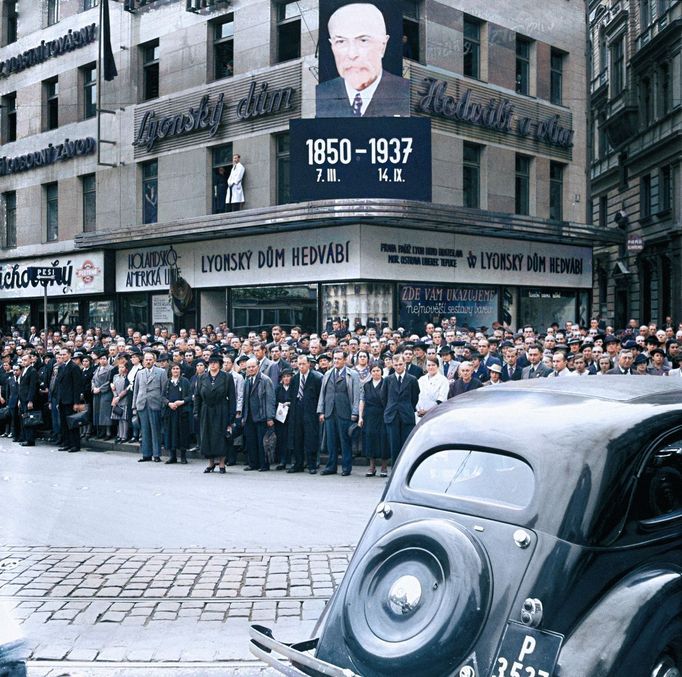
x,y
129,609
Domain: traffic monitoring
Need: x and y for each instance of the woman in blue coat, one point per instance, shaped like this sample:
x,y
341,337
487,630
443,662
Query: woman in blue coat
x,y
371,420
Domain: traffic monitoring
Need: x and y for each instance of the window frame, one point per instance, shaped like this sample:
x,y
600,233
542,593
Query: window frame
x,y
51,211
9,235
522,181
152,180
617,65
52,12
9,122
556,77
523,70
227,151
89,202
89,89
282,160
556,191
150,66
90,4
412,28
282,23
665,189
645,193
220,43
9,22
471,167
475,51
51,94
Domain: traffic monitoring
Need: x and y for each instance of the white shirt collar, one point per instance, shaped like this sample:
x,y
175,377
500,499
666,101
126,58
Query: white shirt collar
x,y
366,94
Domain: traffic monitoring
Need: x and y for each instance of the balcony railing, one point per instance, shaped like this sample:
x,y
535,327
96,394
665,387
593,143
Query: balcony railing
x,y
195,6
673,13
599,81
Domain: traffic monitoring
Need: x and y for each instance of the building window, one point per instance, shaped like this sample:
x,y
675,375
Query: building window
x,y
51,211
221,166
89,75
411,44
645,196
51,94
644,15
150,191
522,187
283,176
472,48
604,148
223,47
9,16
664,88
9,123
556,77
523,66
646,101
150,70
288,31
89,188
603,211
665,189
89,4
618,66
52,12
471,175
10,234
556,191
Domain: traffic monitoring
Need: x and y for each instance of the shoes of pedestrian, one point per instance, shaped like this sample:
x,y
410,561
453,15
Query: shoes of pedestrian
x,y
222,471
171,460
209,469
371,472
327,471
157,459
263,469
28,444
232,463
345,473
294,469
383,473
143,460
281,466
246,468
73,450
183,461
66,447
312,471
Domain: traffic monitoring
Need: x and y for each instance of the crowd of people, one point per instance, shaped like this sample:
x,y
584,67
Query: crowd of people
x,y
288,398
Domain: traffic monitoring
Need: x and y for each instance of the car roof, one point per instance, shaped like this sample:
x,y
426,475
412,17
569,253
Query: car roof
x,y
584,438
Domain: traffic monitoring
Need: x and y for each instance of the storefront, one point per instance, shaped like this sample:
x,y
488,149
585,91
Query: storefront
x,y
374,275
76,295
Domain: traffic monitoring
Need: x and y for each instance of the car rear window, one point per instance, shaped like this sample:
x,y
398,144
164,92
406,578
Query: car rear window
x,y
480,476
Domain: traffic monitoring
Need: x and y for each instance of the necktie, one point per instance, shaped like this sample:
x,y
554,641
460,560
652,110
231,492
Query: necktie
x,y
301,386
357,106
400,380
532,372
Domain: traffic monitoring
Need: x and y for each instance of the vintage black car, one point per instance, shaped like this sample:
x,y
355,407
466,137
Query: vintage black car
x,y
532,529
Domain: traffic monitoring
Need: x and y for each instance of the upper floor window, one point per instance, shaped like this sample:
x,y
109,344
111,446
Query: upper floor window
x,y
89,4
471,175
283,171
522,185
410,36
556,85
556,191
645,196
665,189
89,190
523,66
89,78
51,99
150,191
223,47
618,66
52,12
646,101
221,166
9,121
664,88
472,48
603,211
10,234
288,31
51,211
9,20
644,14
150,70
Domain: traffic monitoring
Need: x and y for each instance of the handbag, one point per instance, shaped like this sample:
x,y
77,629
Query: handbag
x,y
77,419
5,412
117,410
270,445
32,419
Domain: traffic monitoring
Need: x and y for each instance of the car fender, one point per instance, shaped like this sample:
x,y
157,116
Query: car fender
x,y
622,629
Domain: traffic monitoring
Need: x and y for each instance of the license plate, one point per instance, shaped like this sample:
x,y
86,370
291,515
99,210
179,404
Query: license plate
x,y
526,652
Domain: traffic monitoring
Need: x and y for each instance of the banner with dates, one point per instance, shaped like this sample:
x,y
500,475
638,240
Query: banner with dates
x,y
341,158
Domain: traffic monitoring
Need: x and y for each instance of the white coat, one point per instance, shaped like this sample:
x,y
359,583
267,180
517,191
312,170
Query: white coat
x,y
235,192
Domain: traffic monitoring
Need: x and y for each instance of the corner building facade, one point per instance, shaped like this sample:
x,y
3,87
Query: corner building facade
x,y
121,196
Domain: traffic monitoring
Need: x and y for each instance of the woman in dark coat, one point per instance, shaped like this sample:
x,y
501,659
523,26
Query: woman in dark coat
x,y
176,402
215,406
371,420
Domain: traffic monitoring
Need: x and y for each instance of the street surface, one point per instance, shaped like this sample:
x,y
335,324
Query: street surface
x,y
117,568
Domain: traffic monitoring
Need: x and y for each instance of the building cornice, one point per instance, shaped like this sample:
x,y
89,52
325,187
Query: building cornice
x,y
329,213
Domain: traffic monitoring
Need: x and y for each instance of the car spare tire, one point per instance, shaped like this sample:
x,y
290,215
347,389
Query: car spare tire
x,y
417,600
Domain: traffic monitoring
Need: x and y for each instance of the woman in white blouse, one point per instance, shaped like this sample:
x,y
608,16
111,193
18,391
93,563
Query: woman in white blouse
x,y
433,387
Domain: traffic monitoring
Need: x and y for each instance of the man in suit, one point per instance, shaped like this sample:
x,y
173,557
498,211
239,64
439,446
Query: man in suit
x,y
28,393
258,414
410,367
263,361
338,406
624,366
511,370
536,369
465,382
449,366
400,395
304,426
69,391
148,391
277,365
357,33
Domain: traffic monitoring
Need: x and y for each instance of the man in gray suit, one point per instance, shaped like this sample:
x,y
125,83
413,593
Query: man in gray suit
x,y
536,369
258,414
150,386
338,407
264,362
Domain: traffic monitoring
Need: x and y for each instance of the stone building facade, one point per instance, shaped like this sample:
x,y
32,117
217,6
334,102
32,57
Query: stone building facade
x,y
118,192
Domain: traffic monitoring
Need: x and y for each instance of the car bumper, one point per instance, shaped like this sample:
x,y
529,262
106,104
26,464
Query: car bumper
x,y
265,647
